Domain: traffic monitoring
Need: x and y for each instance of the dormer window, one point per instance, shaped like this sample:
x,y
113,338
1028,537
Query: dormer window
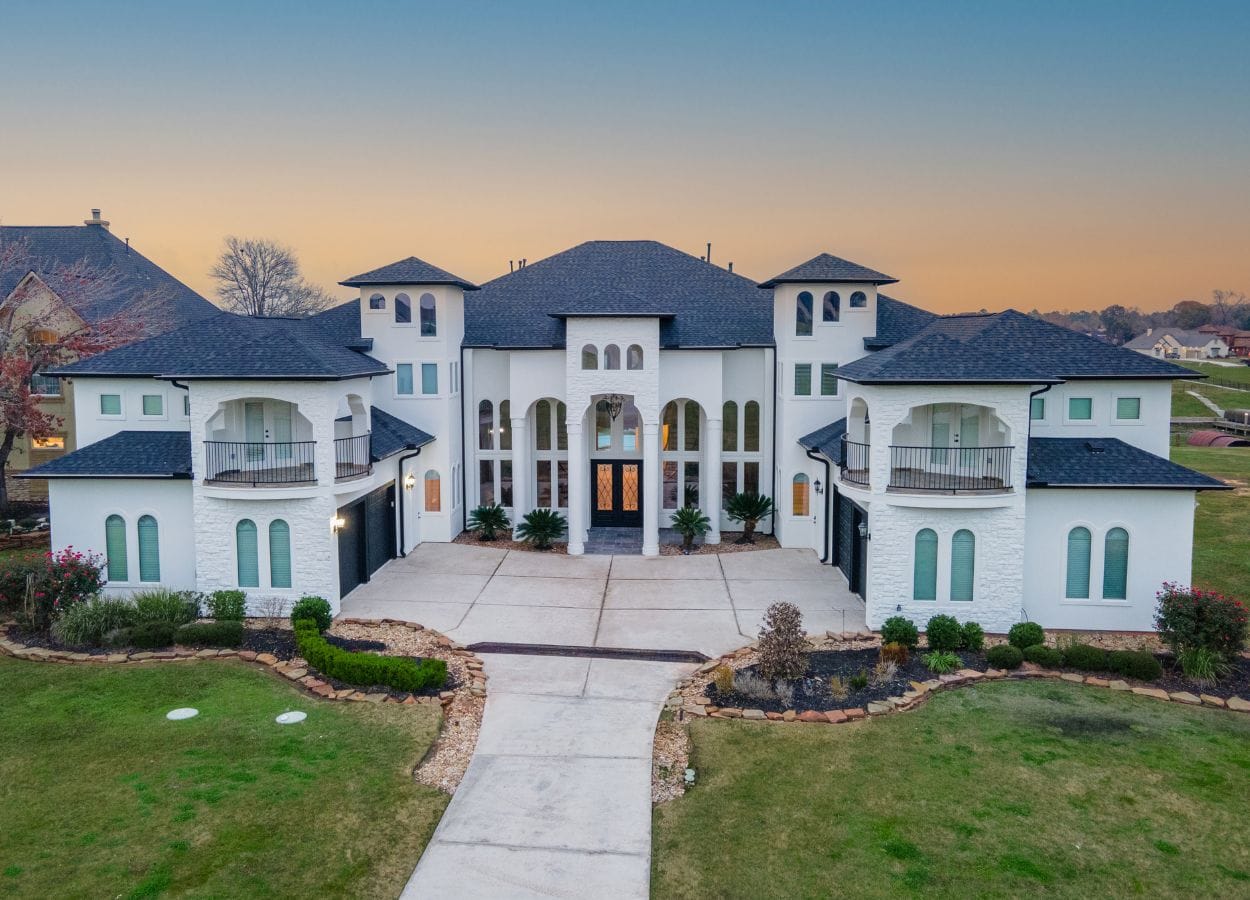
x,y
403,309
429,321
831,307
377,301
859,300
803,315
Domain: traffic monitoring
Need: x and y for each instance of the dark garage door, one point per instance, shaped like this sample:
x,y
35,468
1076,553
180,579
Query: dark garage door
x,y
367,538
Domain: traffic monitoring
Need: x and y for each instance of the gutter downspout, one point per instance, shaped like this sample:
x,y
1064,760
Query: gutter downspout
x,y
464,473
403,490
773,523
824,547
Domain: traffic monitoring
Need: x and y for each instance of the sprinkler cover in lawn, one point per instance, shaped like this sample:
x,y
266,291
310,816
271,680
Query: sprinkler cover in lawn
x,y
182,712
290,718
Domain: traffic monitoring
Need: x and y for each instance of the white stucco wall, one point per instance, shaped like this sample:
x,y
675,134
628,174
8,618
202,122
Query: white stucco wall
x,y
90,426
1150,432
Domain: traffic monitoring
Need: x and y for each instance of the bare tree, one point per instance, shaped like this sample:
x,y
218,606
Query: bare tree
x,y
1228,307
259,277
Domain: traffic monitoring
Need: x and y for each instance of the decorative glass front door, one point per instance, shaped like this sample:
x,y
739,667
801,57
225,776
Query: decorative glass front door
x,y
617,497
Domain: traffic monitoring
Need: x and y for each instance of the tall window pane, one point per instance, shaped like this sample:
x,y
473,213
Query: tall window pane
x,y
803,315
433,491
505,482
798,496
429,324
505,426
279,554
603,426
248,555
542,425
670,485
612,357
562,433
832,307
115,548
802,379
1037,408
486,482
631,429
562,484
1079,542
729,427
544,483
728,480
828,379
963,564
691,438
751,427
1115,565
1080,408
590,357
429,378
750,477
149,550
633,357
403,378
924,573
690,490
403,309
668,426
485,425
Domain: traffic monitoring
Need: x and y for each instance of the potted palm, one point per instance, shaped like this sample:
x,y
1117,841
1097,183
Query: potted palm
x,y
750,510
541,528
690,523
488,521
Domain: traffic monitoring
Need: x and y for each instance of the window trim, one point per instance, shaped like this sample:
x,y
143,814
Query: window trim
x,y
1042,417
144,414
1115,410
412,381
121,405
370,308
1067,410
811,317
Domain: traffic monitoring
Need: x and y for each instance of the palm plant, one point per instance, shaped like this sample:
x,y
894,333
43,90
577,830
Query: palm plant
x,y
749,509
690,523
488,521
541,527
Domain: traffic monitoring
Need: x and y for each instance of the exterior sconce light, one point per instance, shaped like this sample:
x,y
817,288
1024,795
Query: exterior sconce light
x,y
337,524
410,481
820,488
863,532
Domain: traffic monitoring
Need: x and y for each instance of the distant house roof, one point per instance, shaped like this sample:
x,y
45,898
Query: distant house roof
x,y
1182,337
230,346
127,454
826,441
1107,463
390,435
826,268
408,271
1002,347
699,304
52,250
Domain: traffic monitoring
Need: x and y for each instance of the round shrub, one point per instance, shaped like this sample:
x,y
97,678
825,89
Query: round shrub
x,y
973,636
1046,657
315,608
226,606
900,630
1026,634
944,634
1135,664
1004,656
1083,656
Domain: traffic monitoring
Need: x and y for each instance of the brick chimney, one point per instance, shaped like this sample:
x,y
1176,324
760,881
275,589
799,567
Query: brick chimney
x,y
96,220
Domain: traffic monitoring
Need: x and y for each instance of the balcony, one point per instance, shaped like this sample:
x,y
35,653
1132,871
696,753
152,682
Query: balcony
x,y
854,467
933,470
351,457
281,463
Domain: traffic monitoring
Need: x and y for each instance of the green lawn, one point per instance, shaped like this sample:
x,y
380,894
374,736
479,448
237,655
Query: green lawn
x,y
101,796
1002,790
1186,405
1223,373
1222,520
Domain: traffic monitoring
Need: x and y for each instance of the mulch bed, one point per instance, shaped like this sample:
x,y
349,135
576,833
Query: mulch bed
x,y
1236,684
281,642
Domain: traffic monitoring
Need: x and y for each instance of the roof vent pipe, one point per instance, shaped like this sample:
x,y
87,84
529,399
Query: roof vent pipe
x,y
709,251
731,267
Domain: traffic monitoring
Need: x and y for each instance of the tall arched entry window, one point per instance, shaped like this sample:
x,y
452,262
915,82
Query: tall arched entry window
x,y
924,568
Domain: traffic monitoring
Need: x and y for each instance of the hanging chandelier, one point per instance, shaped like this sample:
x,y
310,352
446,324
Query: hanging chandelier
x,y
615,403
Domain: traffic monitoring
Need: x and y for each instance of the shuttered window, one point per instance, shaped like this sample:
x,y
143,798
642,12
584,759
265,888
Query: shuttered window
x,y
1115,565
245,548
149,550
924,572
963,564
115,548
1078,564
279,554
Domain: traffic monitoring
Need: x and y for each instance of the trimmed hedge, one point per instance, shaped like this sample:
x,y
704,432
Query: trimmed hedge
x,y
365,669
1085,656
1135,664
1004,656
1047,657
1026,634
210,634
900,630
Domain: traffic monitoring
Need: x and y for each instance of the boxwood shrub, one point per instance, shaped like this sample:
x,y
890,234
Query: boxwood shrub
x,y
973,636
316,609
1084,656
1046,657
145,636
900,630
1026,634
210,634
944,634
1135,664
399,672
1004,656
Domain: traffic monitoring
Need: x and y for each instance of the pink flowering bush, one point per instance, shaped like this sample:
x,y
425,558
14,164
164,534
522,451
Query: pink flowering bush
x,y
61,580
1189,618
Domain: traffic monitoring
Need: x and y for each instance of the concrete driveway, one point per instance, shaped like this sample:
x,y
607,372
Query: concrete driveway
x,y
711,603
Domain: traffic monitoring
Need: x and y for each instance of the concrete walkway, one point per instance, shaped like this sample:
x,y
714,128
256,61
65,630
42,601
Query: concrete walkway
x,y
557,799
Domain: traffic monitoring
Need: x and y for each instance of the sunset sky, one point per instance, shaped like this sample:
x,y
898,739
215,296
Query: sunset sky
x,y
992,154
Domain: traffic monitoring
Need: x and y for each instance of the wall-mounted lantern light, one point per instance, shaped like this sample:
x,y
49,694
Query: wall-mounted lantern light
x,y
337,524
820,488
410,481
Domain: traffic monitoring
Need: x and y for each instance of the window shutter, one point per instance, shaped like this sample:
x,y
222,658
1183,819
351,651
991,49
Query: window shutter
x,y
245,545
149,550
963,563
279,554
924,574
1115,565
115,548
1078,564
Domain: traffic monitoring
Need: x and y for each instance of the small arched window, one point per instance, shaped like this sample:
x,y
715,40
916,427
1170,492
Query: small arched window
x,y
1079,541
751,427
149,550
963,564
803,315
429,322
247,553
486,425
859,300
633,357
611,357
377,301
590,357
1115,565
115,548
505,425
403,309
799,505
924,569
831,308
729,427
433,491
279,554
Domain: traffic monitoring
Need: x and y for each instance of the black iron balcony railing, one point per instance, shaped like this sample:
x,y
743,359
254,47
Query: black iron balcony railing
x,y
255,463
854,468
950,470
351,456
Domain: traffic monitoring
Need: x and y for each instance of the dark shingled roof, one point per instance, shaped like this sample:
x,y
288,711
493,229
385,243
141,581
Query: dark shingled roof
x,y
1107,463
826,441
230,346
390,435
408,271
127,454
51,250
343,323
825,268
709,306
1002,347
896,321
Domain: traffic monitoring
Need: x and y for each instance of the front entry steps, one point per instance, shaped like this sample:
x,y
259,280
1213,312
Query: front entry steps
x,y
672,656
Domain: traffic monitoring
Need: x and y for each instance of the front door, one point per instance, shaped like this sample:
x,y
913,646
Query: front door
x,y
617,493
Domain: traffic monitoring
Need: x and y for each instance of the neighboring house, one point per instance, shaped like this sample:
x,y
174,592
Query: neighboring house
x,y
992,466
1177,343
46,278
1238,339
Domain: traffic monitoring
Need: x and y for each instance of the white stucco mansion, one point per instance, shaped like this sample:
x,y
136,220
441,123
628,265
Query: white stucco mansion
x,y
992,466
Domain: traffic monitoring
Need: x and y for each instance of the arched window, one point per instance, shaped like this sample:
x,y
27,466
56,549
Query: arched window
x,y
429,321
668,426
1115,565
924,569
248,555
612,357
859,300
403,309
963,564
505,425
633,357
542,425
377,301
1078,564
631,428
691,440
803,315
149,550
831,307
590,357
433,491
485,425
751,427
799,496
729,427
279,554
115,548
603,426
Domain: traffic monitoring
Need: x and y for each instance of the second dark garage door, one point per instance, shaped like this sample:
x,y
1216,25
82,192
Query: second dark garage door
x,y
367,537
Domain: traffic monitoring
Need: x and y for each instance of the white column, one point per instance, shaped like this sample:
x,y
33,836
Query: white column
x,y
711,480
577,490
520,469
652,476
